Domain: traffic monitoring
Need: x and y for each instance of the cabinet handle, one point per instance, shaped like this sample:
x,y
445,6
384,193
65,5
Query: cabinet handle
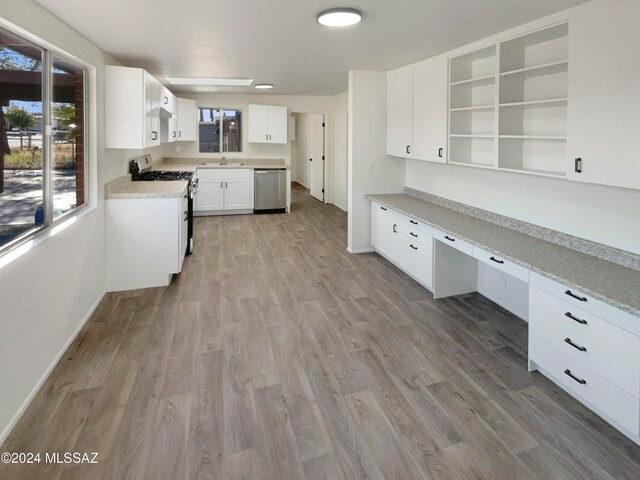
x,y
413,234
166,100
269,137
266,136
174,134
154,135
415,248
578,165
577,297
395,228
413,221
186,196
226,185
408,149
449,238
179,134
383,208
577,347
575,319
581,381
440,152
494,259
221,184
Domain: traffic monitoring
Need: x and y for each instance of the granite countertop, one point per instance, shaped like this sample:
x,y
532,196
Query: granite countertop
x,y
124,187
188,165
606,281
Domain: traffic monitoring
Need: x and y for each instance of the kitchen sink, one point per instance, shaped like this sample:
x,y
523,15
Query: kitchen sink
x,y
219,164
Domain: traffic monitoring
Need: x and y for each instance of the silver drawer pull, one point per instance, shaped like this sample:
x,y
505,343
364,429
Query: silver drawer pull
x,y
575,319
581,381
577,347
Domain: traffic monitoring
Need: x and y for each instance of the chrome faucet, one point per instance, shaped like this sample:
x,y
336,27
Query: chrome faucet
x,y
223,161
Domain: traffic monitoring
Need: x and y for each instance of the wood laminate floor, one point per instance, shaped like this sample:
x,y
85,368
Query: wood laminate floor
x,y
277,355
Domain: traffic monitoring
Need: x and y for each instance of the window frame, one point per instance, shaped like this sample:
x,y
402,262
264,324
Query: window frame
x,y
221,110
52,225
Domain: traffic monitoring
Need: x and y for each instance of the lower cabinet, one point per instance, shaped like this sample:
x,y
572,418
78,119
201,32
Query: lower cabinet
x,y
404,242
224,191
146,241
595,358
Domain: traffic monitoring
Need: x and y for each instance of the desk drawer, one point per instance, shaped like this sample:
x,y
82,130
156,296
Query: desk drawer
x,y
501,264
453,241
415,234
622,408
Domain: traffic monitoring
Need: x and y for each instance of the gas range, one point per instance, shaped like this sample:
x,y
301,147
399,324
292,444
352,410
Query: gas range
x,y
162,175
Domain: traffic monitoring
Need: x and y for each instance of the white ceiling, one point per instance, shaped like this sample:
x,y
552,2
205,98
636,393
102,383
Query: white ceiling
x,y
279,41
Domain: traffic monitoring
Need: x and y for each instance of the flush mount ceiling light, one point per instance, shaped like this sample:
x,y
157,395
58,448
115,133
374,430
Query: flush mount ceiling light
x,y
211,82
263,86
339,17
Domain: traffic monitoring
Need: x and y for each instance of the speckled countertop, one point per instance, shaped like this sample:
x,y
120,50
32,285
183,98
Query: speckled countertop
x,y
609,282
190,164
123,187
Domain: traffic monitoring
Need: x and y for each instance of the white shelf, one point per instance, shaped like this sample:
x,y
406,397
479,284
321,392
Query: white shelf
x,y
533,171
471,136
486,80
477,165
539,70
532,137
472,109
551,102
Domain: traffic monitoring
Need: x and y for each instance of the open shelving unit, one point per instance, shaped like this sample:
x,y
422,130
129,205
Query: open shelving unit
x,y
508,104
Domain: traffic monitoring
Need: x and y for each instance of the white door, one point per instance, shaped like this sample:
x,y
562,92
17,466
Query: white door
x,y
187,120
603,113
385,238
151,114
211,193
316,155
238,189
258,123
430,110
400,112
278,122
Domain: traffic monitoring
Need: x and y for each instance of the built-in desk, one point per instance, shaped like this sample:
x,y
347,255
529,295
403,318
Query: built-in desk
x,y
583,311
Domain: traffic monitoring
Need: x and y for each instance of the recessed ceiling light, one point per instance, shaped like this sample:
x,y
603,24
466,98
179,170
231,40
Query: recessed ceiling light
x,y
263,86
339,17
211,82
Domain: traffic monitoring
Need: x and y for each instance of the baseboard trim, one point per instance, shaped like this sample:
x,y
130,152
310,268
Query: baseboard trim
x,y
34,391
360,250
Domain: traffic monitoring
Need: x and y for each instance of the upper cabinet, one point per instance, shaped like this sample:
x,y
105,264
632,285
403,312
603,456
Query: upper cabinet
x,y
267,124
400,112
416,110
429,109
187,119
132,99
140,112
604,95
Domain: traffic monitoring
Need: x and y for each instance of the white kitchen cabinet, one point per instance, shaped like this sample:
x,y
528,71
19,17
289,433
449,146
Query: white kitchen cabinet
x,y
168,101
430,110
403,241
604,99
146,241
267,124
224,191
132,118
400,112
417,110
187,119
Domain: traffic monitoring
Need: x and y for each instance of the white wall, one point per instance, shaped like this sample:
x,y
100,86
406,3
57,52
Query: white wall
x,y
367,145
339,183
599,213
48,291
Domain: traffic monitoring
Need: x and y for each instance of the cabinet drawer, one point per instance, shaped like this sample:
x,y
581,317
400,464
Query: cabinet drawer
x,y
415,234
453,241
611,401
416,259
501,264
579,299
211,174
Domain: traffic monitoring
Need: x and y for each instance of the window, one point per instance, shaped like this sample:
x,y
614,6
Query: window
x,y
42,169
212,122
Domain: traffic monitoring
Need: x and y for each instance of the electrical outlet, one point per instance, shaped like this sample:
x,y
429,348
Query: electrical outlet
x,y
178,148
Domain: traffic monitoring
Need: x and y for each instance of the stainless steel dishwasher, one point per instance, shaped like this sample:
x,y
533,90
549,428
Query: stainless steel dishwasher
x,y
270,191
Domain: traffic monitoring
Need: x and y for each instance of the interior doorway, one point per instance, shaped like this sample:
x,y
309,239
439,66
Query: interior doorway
x,y
308,153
